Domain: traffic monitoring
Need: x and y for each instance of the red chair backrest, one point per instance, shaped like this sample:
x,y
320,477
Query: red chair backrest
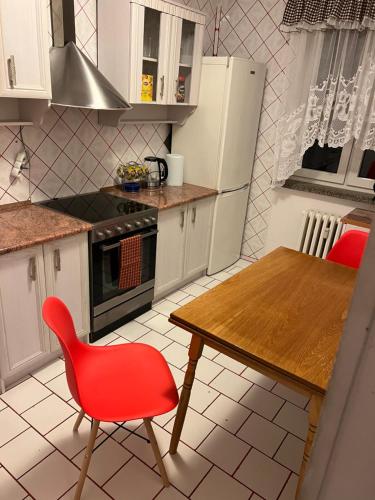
x,y
349,249
58,318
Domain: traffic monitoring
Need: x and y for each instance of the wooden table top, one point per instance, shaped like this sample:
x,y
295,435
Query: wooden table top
x,y
285,311
359,217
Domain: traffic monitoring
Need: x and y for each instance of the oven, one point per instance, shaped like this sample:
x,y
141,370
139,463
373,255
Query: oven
x,y
112,306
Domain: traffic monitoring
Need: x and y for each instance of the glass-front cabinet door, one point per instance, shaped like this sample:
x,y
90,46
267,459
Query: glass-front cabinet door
x,y
187,39
149,55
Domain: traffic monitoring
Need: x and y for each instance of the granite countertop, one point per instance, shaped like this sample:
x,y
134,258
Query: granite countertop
x,y
24,225
166,196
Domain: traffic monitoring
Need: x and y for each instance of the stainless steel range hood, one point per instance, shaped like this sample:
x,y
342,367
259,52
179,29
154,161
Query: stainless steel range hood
x,y
76,81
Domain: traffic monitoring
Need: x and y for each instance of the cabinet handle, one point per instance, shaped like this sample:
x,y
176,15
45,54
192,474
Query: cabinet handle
x,y
182,220
32,268
57,259
162,81
12,72
194,215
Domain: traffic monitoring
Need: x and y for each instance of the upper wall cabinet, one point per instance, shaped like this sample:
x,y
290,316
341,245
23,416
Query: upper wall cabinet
x,y
151,51
24,51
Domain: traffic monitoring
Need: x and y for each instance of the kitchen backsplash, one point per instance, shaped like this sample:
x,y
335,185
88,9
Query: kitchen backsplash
x,y
71,153
250,28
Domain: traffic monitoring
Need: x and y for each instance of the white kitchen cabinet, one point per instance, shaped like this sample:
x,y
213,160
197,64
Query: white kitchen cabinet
x,y
158,38
170,249
197,237
182,245
67,277
23,334
24,49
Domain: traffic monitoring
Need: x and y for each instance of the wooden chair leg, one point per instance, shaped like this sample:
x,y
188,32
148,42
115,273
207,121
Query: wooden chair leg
x,y
78,421
86,460
156,450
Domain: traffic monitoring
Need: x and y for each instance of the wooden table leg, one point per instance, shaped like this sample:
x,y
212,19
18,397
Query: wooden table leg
x,y
195,352
314,414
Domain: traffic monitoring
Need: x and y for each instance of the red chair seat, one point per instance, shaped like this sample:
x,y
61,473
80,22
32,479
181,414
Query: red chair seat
x,y
349,249
124,382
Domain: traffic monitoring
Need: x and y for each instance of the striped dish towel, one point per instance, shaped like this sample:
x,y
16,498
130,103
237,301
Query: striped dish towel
x,y
130,262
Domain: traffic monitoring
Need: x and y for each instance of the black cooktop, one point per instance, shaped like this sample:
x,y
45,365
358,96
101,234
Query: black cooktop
x,y
95,207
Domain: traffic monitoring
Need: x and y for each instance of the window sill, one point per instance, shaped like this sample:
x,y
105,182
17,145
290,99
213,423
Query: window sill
x,y
332,191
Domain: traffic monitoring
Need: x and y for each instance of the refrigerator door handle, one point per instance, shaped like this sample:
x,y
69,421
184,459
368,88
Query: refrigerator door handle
x,y
241,188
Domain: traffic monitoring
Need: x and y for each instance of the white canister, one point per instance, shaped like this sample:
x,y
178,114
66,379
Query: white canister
x,y
175,169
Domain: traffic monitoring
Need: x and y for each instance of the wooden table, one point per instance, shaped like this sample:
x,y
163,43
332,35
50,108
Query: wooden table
x,y
359,217
282,316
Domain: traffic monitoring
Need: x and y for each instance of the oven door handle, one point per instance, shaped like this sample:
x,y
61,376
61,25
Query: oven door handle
x,y
105,248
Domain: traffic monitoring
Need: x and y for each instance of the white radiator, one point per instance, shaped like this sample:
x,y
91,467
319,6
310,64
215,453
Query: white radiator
x,y
319,232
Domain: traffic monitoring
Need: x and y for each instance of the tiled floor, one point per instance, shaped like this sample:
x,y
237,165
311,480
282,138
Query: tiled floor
x,y
243,437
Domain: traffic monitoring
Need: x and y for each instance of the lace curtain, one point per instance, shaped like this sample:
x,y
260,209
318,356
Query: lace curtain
x,y
329,96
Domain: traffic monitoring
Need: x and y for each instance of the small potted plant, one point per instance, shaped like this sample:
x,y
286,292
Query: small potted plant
x,y
131,175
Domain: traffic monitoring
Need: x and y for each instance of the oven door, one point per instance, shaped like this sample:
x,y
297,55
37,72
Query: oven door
x,y
106,270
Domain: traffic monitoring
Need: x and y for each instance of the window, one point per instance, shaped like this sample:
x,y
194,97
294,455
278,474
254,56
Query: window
x,y
348,166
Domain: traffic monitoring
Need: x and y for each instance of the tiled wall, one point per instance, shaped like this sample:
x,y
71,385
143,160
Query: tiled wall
x,y
70,152
249,28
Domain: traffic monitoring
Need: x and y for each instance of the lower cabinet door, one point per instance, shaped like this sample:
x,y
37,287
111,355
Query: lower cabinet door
x,y
23,334
170,249
67,277
198,237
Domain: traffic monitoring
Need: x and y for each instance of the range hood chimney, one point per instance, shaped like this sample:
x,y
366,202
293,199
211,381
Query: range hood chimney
x,y
76,81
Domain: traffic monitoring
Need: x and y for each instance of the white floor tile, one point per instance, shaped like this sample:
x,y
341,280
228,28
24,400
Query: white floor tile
x,y
66,440
176,297
9,488
48,414
201,396
213,284
119,433
290,395
155,340
258,378
263,402
262,434
262,475
120,341
227,413
196,428
2,405
105,461
178,375
234,270
219,486
25,395
293,419
290,453
165,307
59,386
10,425
289,491
170,493
243,263
132,331
179,335
221,276
195,290
135,481
23,452
209,352
231,385
90,492
146,316
142,449
203,281
186,468
224,449
50,371
186,300
110,337
176,354
207,370
162,420
230,363
159,323
51,478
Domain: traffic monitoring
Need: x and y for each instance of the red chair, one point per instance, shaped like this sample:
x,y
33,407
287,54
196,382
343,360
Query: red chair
x,y
112,383
349,249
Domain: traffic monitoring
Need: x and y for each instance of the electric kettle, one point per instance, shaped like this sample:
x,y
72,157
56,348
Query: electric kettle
x,y
158,171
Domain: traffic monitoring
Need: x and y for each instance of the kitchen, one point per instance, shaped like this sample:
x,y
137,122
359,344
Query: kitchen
x,y
204,212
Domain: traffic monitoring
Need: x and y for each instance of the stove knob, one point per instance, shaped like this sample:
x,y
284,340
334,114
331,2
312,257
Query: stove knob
x,y
99,234
153,219
138,223
128,227
108,232
119,229
147,221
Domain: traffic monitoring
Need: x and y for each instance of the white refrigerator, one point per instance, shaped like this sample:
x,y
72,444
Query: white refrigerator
x,y
218,142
